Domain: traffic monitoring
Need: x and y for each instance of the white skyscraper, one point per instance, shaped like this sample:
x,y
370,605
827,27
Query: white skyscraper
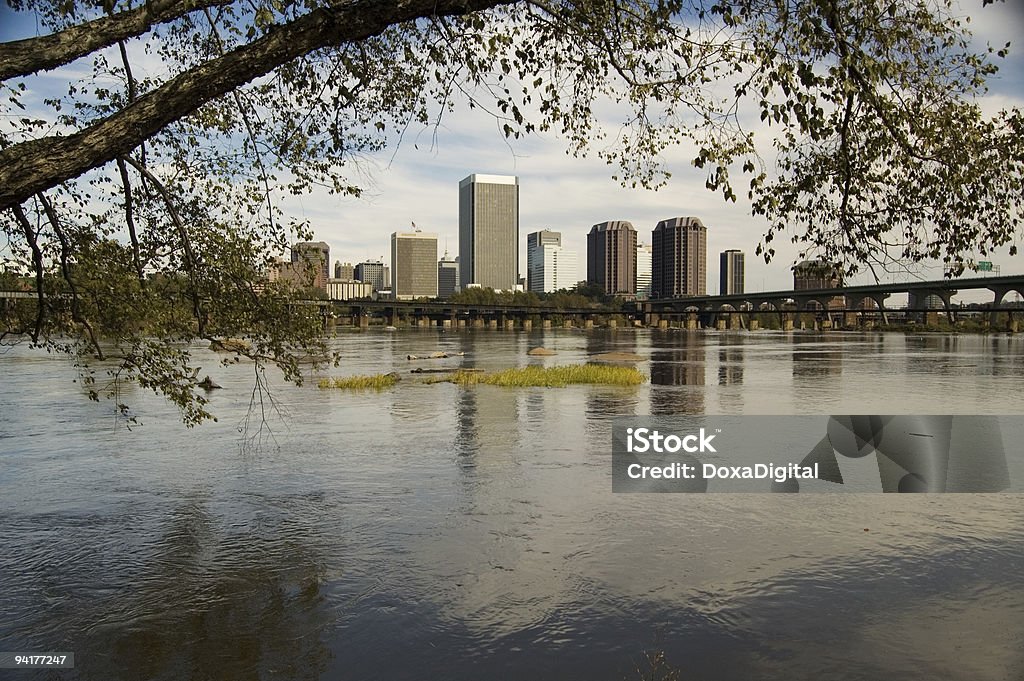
x,y
643,271
549,267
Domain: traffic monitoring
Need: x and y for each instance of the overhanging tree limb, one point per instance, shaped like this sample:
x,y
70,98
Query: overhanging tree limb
x,y
36,165
23,57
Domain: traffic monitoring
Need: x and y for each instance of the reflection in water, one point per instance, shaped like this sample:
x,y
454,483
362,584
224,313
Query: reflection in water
x,y
730,365
677,375
198,600
814,358
434,531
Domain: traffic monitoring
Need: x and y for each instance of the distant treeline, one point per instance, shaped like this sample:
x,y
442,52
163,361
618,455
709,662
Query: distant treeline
x,y
581,296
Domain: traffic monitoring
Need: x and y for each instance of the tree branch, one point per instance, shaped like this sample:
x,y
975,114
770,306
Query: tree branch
x,y
25,57
35,165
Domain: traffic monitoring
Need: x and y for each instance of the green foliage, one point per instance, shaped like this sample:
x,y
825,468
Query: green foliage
x,y
584,296
375,382
554,376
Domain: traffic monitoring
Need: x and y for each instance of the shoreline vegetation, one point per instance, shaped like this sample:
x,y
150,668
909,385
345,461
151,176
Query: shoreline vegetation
x,y
516,377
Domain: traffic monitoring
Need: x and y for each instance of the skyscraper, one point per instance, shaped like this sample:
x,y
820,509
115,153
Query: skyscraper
x,y
313,258
447,276
413,265
611,257
549,266
643,271
489,231
730,273
344,271
679,258
372,272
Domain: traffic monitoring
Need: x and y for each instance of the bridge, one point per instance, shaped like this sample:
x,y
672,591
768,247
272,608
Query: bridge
x,y
468,315
847,299
722,311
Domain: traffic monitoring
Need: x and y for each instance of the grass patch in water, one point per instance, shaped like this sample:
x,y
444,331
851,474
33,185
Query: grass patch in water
x,y
552,377
375,382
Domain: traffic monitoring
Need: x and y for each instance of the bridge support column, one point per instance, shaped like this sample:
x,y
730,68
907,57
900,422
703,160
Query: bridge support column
x,y
364,321
787,322
691,321
721,323
754,325
545,324
999,293
446,323
613,323
527,324
652,319
478,322
662,323
567,324
588,323
462,323
492,323
510,324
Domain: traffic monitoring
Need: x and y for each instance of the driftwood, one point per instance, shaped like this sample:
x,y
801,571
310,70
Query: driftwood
x,y
421,370
436,355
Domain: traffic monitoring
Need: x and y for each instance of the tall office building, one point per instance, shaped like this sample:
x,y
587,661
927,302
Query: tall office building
x,y
413,265
489,231
730,272
679,254
344,271
611,257
372,272
447,276
549,266
315,258
816,274
643,271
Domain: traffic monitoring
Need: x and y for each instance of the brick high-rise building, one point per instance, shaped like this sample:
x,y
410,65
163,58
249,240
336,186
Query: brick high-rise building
x,y
679,252
611,257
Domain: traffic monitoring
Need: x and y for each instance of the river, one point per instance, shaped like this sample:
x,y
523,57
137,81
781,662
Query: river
x,y
442,532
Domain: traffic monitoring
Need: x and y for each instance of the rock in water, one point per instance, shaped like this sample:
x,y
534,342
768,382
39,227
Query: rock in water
x,y
543,352
208,384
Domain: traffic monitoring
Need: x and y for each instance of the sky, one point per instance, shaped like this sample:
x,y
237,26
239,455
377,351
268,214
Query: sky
x,y
418,182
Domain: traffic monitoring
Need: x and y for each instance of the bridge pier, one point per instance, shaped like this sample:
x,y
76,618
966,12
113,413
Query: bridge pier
x,y
545,324
492,323
999,293
527,324
753,325
613,323
691,321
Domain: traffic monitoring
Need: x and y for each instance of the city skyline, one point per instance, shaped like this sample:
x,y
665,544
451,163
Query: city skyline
x,y
412,181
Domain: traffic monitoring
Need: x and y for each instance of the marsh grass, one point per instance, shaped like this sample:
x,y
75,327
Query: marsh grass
x,y
375,382
552,377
